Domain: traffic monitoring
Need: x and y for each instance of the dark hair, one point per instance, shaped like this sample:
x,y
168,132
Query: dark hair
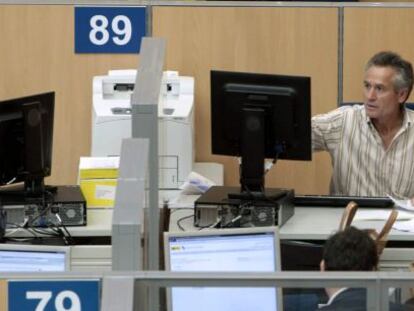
x,y
404,70
350,250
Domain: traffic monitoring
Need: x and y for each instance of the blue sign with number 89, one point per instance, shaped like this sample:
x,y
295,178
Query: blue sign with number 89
x,y
109,29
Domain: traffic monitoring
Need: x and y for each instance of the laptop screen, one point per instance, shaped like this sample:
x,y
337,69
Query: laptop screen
x,y
227,250
33,258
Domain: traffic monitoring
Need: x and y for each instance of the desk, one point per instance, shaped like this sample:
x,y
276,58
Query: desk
x,y
314,224
308,223
99,224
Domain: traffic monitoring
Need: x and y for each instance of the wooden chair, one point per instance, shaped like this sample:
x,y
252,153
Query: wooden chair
x,y
382,237
379,238
348,215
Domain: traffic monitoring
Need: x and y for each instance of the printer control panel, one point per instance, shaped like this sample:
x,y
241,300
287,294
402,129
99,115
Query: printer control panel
x,y
121,110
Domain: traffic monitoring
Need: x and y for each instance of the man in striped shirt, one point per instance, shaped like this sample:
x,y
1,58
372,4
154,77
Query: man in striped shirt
x,y
372,145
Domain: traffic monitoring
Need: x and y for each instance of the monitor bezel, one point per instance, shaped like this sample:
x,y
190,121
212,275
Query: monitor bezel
x,y
233,231
39,249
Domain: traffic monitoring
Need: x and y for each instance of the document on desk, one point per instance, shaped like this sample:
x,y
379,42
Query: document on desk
x,y
381,214
183,201
405,218
402,204
406,226
196,184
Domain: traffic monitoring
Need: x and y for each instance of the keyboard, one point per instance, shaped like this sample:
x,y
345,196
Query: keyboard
x,y
342,201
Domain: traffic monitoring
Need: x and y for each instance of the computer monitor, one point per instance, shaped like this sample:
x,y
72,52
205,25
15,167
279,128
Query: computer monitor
x,y
26,134
257,116
34,258
224,250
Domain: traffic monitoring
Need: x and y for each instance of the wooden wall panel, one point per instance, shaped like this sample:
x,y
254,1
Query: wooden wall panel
x,y
297,41
368,31
37,55
3,295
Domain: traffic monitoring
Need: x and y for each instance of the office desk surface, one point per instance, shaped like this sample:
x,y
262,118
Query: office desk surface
x,y
311,223
99,224
308,223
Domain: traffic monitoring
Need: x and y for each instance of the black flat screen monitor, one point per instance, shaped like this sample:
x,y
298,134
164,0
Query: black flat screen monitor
x,y
257,116
26,135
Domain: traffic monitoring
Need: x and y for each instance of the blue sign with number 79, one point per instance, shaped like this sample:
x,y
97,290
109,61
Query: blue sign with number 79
x,y
57,295
109,29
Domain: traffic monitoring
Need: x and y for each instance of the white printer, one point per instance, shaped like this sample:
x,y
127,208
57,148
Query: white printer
x,y
111,121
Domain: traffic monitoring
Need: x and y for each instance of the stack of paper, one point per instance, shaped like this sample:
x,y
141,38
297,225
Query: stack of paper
x,y
404,206
97,180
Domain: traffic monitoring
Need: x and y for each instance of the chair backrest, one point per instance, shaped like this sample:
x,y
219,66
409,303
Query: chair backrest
x,y
382,237
379,238
348,215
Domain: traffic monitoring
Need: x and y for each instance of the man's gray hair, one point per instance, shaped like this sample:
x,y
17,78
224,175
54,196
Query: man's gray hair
x,y
404,77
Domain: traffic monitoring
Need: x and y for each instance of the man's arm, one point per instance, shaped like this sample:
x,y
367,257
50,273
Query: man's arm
x,y
327,129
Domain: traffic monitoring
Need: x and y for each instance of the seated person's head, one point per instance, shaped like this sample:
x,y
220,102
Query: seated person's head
x,y
350,250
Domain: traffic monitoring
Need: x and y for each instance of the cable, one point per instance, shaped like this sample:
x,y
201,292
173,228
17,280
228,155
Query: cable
x,y
69,236
240,214
18,228
67,239
181,219
11,181
44,232
20,239
42,213
232,222
269,165
44,204
213,225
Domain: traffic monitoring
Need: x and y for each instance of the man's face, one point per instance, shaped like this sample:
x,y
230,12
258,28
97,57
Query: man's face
x,y
381,100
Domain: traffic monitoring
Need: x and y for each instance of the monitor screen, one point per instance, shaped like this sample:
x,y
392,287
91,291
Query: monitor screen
x,y
257,116
33,258
227,250
26,128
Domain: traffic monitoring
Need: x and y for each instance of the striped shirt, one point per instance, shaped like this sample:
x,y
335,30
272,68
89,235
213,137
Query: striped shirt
x,y
361,164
